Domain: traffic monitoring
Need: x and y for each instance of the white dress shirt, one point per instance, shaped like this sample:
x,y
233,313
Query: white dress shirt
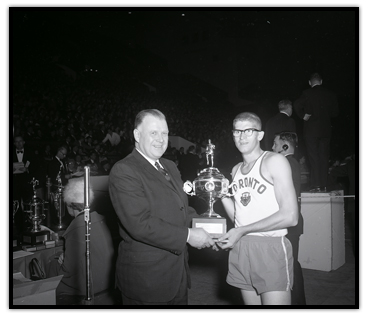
x,y
20,155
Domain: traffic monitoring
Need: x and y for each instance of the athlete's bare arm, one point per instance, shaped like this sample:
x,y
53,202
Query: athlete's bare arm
x,y
276,169
228,202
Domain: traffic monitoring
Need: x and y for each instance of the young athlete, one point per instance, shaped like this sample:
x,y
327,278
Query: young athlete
x,y
265,204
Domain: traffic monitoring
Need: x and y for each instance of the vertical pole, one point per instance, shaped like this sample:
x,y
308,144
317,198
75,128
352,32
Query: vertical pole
x,y
88,299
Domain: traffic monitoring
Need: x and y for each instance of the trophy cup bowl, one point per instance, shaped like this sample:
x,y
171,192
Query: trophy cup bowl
x,y
210,185
35,211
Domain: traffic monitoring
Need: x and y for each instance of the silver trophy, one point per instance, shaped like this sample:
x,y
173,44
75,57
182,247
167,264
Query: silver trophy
x,y
35,208
15,208
59,205
210,185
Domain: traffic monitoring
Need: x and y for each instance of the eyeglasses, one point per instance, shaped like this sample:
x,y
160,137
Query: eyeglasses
x,y
247,132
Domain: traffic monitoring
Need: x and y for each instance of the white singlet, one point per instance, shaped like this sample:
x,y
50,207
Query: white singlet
x,y
255,198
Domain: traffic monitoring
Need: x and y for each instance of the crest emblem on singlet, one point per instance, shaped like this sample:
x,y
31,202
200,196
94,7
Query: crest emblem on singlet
x,y
245,198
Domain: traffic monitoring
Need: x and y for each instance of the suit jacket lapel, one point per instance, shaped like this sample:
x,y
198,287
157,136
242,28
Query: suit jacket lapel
x,y
173,180
152,170
176,185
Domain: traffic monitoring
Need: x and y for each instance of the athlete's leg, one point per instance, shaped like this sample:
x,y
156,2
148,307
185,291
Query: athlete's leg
x,y
250,297
276,298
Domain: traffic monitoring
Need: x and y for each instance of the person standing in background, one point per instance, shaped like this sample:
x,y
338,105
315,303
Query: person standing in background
x,y
285,143
280,122
316,106
58,165
25,165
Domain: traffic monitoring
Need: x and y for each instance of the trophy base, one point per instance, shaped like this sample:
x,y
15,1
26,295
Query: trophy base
x,y
35,237
209,214
214,225
15,237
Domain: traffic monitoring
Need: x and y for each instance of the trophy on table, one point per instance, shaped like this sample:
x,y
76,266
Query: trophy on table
x,y
59,205
15,230
35,209
210,185
15,208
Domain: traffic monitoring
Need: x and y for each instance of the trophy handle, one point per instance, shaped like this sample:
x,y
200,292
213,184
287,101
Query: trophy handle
x,y
234,189
188,188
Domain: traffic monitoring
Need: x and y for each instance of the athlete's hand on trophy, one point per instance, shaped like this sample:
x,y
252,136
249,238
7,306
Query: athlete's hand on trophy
x,y
199,238
229,239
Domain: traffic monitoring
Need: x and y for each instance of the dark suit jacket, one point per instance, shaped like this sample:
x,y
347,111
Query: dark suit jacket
x,y
155,216
74,265
278,123
322,104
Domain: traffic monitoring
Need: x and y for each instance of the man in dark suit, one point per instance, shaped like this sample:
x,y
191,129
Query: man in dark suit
x,y
286,143
147,195
25,166
280,122
56,165
316,107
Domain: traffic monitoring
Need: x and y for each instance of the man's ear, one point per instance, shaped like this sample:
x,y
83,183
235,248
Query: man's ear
x,y
137,135
260,135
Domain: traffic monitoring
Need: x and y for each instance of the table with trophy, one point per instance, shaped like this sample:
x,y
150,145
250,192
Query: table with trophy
x,y
36,241
36,235
210,185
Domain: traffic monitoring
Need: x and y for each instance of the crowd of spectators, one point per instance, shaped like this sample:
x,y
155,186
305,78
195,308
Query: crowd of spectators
x,y
93,117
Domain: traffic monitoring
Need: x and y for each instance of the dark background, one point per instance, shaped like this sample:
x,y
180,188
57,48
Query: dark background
x,y
278,49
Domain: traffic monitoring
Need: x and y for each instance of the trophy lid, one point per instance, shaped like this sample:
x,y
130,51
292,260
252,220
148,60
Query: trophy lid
x,y
210,171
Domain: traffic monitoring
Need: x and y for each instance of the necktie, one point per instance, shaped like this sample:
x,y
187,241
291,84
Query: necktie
x,y
163,171
19,152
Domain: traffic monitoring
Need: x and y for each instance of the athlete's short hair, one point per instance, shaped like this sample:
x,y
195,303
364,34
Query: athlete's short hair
x,y
248,116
